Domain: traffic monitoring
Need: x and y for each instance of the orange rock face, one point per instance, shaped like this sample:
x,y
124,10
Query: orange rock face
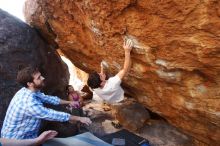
x,y
176,59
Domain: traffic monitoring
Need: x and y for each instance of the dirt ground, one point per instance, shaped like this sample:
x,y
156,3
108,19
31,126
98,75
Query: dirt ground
x,y
158,132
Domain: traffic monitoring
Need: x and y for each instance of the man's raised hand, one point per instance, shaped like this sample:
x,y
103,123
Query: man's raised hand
x,y
128,44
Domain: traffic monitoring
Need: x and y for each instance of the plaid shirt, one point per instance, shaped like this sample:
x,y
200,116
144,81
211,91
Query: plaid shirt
x,y
24,114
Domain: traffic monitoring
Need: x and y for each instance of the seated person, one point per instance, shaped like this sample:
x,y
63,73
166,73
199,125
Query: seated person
x,y
76,101
73,96
75,107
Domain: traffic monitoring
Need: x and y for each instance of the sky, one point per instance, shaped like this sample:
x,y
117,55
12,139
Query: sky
x,y
14,7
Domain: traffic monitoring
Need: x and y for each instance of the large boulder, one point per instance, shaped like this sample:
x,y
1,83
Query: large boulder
x,y
131,115
20,46
176,59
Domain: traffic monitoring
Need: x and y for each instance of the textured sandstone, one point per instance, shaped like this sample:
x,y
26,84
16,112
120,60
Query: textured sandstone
x,y
176,60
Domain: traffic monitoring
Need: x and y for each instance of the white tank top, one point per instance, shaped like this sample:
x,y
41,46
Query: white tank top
x,y
112,91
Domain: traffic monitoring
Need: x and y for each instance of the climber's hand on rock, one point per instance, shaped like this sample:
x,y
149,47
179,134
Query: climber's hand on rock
x,y
128,44
104,65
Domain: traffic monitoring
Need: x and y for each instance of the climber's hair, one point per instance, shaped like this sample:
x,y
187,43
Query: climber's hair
x,y
94,80
25,75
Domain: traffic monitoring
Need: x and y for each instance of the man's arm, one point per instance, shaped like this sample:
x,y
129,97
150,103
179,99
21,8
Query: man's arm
x,y
103,66
48,98
65,102
52,99
29,142
84,120
37,110
127,48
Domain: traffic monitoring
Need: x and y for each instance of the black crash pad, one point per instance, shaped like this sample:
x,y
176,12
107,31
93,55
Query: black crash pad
x,y
131,139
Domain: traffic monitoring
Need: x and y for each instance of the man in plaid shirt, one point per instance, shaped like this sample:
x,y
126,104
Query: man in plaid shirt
x,y
26,110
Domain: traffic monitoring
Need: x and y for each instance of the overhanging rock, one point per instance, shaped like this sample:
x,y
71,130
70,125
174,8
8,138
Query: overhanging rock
x,y
176,59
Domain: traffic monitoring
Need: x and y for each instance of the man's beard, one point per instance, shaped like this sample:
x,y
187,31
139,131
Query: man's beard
x,y
39,87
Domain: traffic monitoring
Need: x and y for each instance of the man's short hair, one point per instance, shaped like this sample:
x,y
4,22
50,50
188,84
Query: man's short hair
x,y
25,75
94,80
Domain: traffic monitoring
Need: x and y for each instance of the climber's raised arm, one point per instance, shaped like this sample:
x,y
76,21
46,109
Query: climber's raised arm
x,y
127,48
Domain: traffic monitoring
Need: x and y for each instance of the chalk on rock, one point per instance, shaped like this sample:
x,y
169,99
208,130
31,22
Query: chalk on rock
x,y
139,47
104,64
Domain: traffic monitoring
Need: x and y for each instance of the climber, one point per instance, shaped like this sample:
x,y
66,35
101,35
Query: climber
x,y
110,90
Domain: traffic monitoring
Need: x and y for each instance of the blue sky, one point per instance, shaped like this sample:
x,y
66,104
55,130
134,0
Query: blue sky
x,y
14,7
